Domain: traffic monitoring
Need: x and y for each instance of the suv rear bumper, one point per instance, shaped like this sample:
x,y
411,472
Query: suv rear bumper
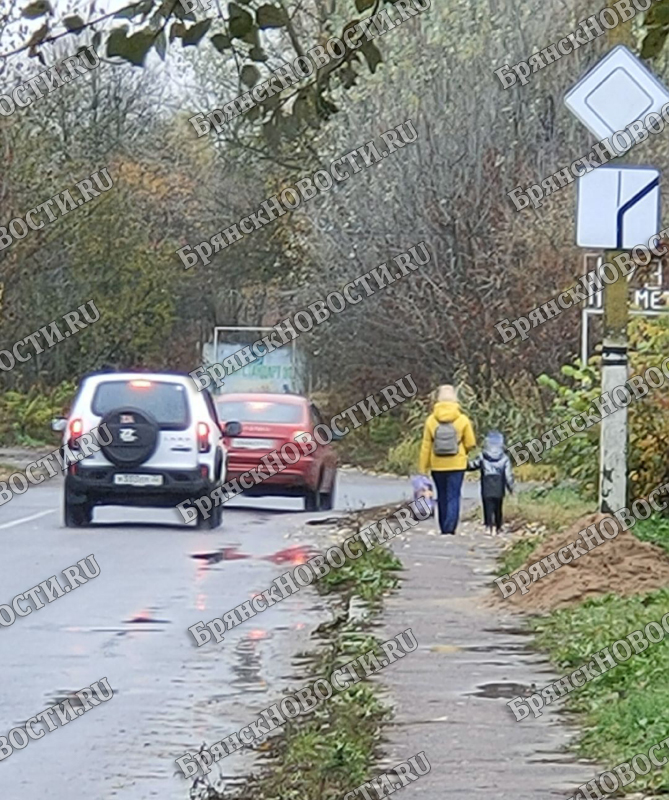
x,y
96,485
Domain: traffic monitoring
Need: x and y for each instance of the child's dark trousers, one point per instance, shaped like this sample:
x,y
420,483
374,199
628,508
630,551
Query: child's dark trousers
x,y
492,512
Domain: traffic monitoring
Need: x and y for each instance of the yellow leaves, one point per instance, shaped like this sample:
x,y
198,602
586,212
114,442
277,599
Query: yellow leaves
x,y
149,180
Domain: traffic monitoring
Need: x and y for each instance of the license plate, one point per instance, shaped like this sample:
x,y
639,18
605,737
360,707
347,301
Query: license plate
x,y
138,480
253,444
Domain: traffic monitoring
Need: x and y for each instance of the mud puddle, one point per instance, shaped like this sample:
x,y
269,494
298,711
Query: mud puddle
x,y
501,649
495,691
224,554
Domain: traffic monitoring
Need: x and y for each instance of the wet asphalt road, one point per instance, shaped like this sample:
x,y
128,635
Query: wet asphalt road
x,y
129,624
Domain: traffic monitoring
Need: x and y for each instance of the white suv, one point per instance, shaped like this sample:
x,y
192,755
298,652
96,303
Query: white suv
x,y
165,444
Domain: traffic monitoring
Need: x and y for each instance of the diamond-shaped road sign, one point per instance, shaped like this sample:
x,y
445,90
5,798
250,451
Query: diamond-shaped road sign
x,y
615,93
618,207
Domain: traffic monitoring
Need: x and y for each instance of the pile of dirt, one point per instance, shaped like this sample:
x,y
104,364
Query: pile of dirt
x,y
624,566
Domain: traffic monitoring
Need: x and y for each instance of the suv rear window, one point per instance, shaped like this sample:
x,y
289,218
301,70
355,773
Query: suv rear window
x,y
166,401
259,411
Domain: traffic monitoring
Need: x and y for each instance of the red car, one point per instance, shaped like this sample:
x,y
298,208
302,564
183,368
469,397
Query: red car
x,y
269,421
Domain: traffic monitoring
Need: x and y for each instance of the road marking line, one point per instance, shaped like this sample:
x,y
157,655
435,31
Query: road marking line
x,y
27,519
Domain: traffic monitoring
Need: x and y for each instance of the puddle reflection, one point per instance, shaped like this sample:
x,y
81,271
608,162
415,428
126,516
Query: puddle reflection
x,y
295,555
248,664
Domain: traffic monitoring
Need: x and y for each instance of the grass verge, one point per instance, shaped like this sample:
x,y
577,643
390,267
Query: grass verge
x,y
549,510
655,530
325,754
369,577
555,507
626,710
6,470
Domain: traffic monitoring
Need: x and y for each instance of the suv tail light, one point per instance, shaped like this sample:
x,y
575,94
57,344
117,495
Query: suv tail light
x,y
76,429
203,445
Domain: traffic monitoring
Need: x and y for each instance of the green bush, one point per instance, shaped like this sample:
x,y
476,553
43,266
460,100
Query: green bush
x,y
578,456
25,417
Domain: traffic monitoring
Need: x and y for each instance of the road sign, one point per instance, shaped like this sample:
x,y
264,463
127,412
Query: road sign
x,y
618,207
648,293
649,297
615,93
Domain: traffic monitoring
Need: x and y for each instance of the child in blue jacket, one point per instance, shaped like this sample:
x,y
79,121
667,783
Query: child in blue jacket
x,y
496,478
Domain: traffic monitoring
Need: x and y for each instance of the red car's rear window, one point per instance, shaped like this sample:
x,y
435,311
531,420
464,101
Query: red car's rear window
x,y
259,411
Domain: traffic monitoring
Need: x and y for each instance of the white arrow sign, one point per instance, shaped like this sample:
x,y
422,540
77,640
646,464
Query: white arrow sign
x,y
615,93
618,207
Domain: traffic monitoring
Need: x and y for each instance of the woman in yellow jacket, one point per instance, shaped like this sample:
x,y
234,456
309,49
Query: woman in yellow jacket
x,y
447,438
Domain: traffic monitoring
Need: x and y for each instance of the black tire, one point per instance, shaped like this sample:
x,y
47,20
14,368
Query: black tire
x,y
77,515
215,518
212,521
312,501
328,498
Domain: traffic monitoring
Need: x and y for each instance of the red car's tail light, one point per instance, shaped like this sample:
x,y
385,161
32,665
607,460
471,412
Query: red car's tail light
x,y
203,445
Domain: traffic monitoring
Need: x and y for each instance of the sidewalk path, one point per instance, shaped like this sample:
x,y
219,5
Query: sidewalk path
x,y
450,694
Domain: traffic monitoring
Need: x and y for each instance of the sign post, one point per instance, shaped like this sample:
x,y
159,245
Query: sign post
x,y
618,208
613,442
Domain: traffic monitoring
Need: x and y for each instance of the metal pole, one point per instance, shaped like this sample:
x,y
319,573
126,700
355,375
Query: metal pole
x,y
214,356
584,337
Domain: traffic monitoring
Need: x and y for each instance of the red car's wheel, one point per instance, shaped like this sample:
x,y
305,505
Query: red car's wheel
x,y
328,498
312,501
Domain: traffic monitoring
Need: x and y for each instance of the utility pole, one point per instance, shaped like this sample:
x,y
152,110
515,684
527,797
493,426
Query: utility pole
x,y
613,438
613,431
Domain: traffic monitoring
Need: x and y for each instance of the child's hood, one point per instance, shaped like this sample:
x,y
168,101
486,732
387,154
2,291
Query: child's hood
x,y
446,411
493,453
493,446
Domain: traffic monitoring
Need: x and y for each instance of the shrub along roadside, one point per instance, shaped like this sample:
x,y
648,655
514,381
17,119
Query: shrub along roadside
x,y
327,753
25,417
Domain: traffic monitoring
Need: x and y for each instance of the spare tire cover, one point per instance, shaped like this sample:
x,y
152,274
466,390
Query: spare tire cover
x,y
134,436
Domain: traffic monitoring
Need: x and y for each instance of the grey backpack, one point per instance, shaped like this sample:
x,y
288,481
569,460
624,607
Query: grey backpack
x,y
446,440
